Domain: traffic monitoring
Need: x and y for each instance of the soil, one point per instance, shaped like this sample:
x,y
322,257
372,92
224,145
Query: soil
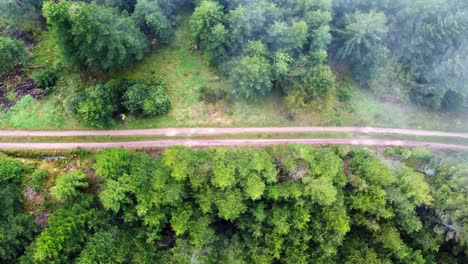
x,y
21,36
4,102
28,88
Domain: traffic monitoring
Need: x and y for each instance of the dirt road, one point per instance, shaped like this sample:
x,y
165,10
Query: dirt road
x,y
228,131
232,142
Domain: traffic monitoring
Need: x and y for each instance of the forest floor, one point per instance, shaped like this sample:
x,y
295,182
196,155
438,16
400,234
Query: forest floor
x,y
186,72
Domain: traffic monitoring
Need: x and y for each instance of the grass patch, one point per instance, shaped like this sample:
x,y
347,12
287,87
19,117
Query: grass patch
x,y
365,109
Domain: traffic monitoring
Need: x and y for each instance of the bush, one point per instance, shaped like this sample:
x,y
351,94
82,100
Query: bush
x,y
210,94
97,108
38,177
157,103
12,52
397,152
45,78
251,77
146,99
344,94
67,185
99,103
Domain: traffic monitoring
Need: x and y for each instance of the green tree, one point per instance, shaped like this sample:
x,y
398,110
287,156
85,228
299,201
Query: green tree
x,y
67,186
17,229
147,99
362,41
208,30
23,14
12,52
65,234
251,77
103,247
152,20
96,109
93,36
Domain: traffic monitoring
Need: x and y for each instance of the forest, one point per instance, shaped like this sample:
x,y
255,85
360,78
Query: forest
x,y
311,52
284,204
135,64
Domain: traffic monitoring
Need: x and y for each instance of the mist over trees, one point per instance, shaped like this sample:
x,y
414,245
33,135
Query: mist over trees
x,y
425,44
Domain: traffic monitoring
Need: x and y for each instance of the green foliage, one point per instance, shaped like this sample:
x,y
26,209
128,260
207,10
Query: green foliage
x,y
65,234
423,56
97,108
397,152
284,204
289,31
93,36
149,16
207,29
38,177
251,78
147,99
449,190
344,94
22,14
316,83
112,163
66,187
12,52
97,105
17,228
46,78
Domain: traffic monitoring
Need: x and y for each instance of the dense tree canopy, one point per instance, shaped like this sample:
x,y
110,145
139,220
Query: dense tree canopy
x,y
94,37
284,204
427,38
17,229
286,34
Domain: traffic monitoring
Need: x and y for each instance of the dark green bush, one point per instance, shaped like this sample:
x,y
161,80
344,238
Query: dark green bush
x,y
99,103
38,177
397,152
12,52
210,94
344,94
46,78
146,99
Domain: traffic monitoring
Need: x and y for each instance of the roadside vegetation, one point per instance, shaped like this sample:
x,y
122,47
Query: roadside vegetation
x,y
285,204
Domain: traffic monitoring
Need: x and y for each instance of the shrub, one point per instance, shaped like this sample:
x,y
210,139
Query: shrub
x,y
46,78
251,77
397,152
157,103
147,99
99,103
67,185
38,177
210,94
12,52
344,94
97,108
